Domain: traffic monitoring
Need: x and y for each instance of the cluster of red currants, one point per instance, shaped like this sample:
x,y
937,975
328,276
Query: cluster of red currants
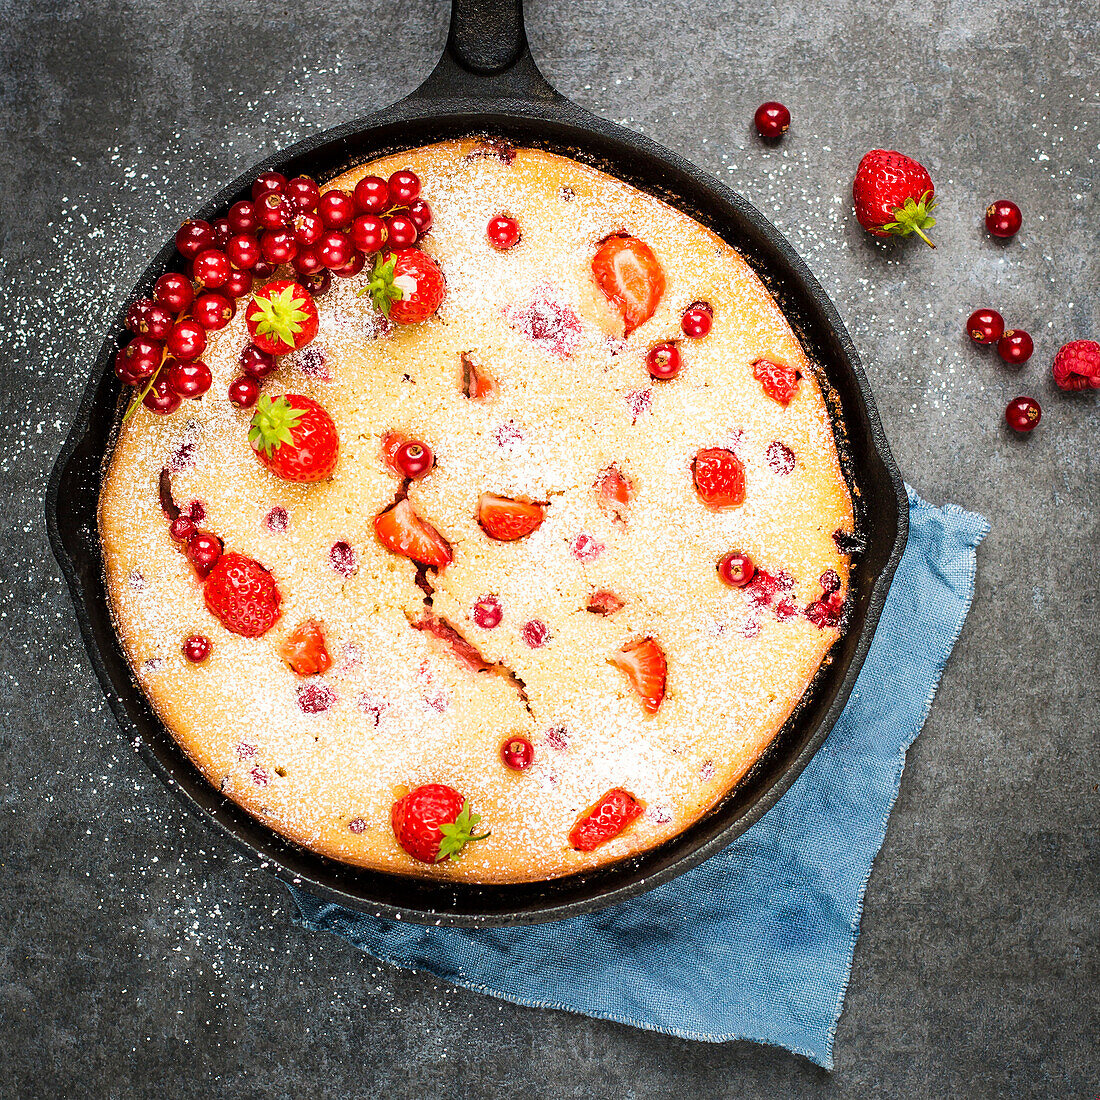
x,y
285,222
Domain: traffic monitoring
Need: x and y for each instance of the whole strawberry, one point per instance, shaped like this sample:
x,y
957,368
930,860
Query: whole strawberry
x,y
434,823
407,286
242,595
893,195
1077,365
294,437
282,317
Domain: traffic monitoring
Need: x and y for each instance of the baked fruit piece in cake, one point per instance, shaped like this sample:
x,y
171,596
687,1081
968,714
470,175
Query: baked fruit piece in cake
x,y
565,549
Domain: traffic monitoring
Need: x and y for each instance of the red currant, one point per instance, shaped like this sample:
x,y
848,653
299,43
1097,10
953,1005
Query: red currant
x,y
697,319
308,261
487,612
421,214
138,361
772,119
401,231
368,233
242,217
244,392
503,232
222,232
196,648
337,209
211,268
213,310
161,398
352,267
187,340
278,246
334,249
318,283
238,284
663,361
414,459
404,186
268,182
1023,413
203,551
243,251
194,236
189,380
736,569
517,753
257,363
308,228
273,211
181,528
174,292
1003,218
372,195
302,193
146,318
985,326
261,269
1015,346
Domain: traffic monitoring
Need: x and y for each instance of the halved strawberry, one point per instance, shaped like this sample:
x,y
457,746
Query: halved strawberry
x,y
631,277
604,820
304,649
605,602
242,595
401,531
719,477
780,381
644,663
614,490
506,519
281,317
477,383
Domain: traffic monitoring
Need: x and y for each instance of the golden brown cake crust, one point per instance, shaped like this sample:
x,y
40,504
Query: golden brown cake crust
x,y
404,711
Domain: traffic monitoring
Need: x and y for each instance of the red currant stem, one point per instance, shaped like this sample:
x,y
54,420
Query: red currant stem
x,y
148,386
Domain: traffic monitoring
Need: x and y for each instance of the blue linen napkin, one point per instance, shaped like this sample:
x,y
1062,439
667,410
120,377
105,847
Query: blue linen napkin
x,y
757,942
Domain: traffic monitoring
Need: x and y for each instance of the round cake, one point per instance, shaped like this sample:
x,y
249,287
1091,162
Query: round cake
x,y
580,554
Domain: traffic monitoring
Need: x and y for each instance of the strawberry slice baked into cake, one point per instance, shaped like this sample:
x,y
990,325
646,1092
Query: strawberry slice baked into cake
x,y
478,516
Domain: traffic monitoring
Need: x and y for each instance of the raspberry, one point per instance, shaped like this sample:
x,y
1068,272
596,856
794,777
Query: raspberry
x,y
1077,365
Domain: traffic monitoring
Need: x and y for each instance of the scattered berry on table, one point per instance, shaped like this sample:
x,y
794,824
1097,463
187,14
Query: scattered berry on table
x,y
1003,218
893,195
1077,365
985,326
772,120
1015,347
1023,413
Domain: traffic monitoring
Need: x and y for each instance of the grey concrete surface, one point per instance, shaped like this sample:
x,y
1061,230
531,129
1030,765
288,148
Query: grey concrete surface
x,y
140,957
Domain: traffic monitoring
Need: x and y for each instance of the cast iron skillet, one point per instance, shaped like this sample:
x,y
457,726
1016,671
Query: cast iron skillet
x,y
487,82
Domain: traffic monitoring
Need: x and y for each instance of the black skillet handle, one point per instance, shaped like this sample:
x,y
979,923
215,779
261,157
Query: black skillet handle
x,y
487,56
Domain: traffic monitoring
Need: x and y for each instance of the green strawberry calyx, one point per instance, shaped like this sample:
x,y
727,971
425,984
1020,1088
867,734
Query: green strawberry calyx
x,y
280,315
459,833
386,287
272,424
914,217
